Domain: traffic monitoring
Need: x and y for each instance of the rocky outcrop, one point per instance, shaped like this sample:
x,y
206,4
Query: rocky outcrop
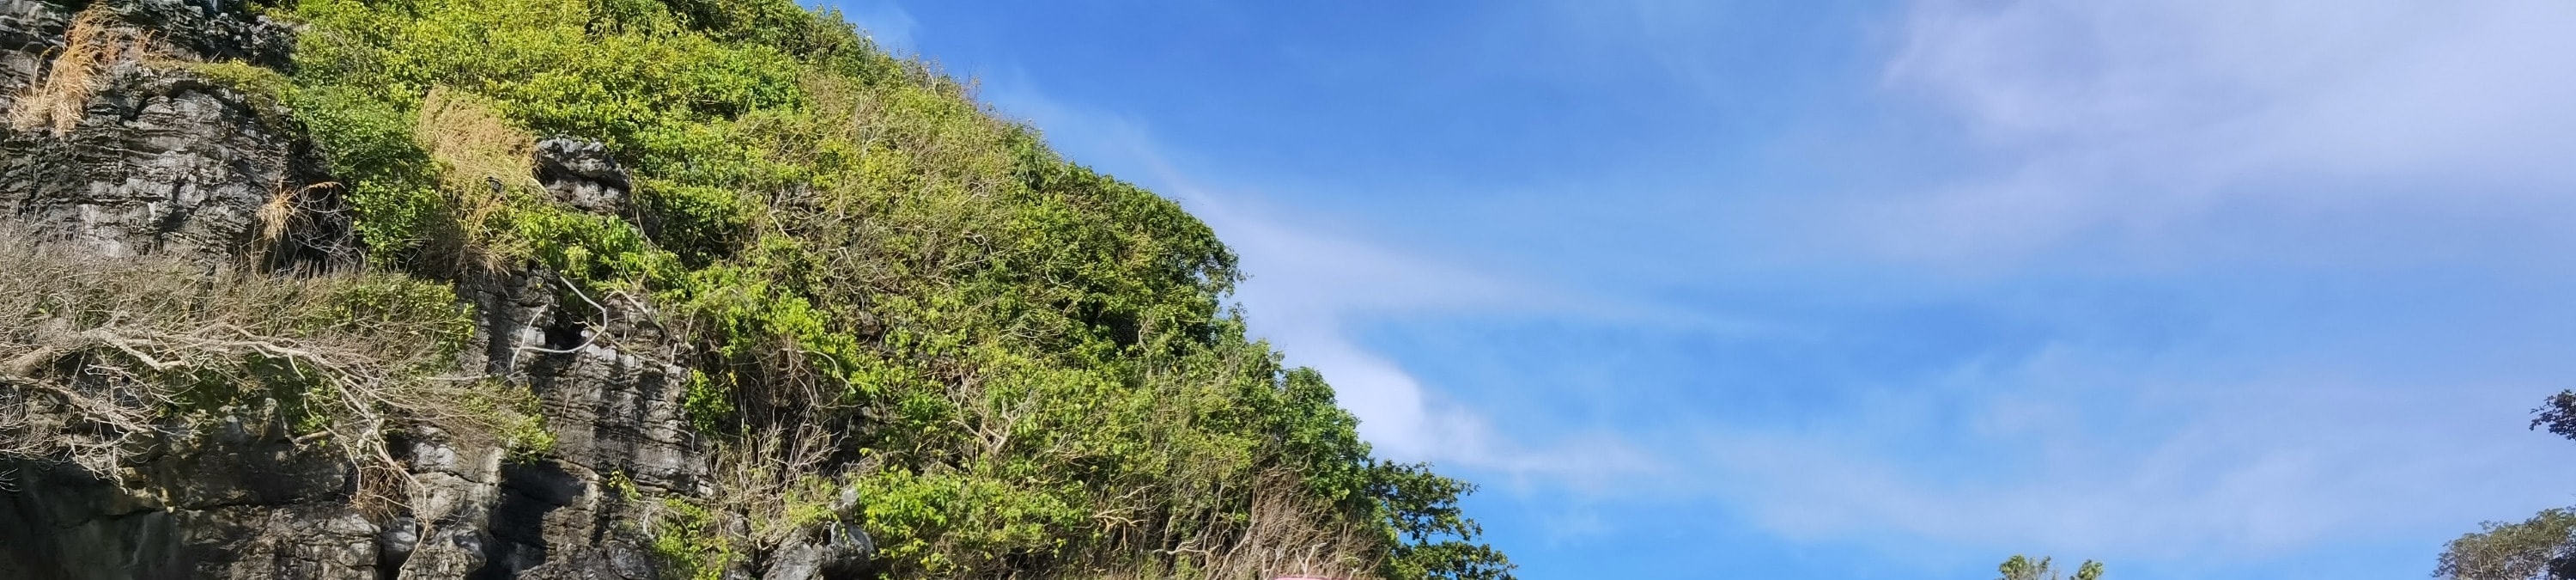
x,y
162,162
613,401
582,175
229,496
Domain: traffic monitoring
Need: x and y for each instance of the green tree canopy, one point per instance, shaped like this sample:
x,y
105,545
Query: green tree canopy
x,y
2021,567
2540,548
2533,549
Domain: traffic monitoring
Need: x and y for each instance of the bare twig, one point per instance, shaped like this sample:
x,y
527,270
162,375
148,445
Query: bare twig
x,y
590,336
105,348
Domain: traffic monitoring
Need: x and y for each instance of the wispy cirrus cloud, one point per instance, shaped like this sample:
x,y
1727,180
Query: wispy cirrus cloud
x,y
2166,127
884,21
2364,200
1309,285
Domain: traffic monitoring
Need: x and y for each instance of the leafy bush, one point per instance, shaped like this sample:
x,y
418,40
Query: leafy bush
x,y
2021,567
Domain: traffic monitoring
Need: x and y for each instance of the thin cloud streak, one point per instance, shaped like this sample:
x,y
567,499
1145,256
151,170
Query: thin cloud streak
x,y
2243,469
2177,143
1306,289
885,23
2139,125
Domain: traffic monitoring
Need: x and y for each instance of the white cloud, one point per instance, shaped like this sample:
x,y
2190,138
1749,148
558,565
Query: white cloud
x,y
1308,288
1310,284
2171,142
884,21
2137,121
2174,468
2146,120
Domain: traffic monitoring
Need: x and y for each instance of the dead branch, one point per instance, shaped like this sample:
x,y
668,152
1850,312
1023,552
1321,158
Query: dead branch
x,y
107,347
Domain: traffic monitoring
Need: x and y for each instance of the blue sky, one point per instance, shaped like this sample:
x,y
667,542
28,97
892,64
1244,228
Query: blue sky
x,y
1876,289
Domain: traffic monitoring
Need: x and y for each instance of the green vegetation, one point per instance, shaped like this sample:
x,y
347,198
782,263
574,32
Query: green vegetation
x,y
2543,547
1021,366
2021,567
2532,549
683,544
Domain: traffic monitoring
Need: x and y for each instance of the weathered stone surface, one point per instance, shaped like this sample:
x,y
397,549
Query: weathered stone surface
x,y
614,404
225,495
162,161
831,550
581,174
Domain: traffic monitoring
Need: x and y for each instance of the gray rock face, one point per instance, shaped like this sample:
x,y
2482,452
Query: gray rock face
x,y
614,403
228,495
830,551
581,175
162,162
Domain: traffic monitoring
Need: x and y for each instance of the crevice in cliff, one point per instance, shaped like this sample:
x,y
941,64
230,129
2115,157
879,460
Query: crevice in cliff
x,y
532,493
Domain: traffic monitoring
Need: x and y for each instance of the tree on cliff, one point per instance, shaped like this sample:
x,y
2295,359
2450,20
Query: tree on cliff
x,y
2540,548
2533,549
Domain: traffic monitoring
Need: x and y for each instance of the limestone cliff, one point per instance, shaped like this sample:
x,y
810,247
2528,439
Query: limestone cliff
x,y
158,162
623,289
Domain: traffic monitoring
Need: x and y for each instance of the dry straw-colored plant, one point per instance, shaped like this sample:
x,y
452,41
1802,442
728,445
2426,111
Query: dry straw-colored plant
x,y
483,162
305,230
92,43
100,357
1287,534
777,481
475,147
1293,535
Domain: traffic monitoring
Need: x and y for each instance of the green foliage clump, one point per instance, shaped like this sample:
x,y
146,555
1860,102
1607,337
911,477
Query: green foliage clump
x,y
689,544
2541,547
1022,366
2021,567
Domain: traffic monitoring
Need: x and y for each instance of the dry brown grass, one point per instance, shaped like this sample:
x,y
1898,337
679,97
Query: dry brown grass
x,y
1290,535
304,230
97,357
483,162
1280,532
474,146
1287,534
92,43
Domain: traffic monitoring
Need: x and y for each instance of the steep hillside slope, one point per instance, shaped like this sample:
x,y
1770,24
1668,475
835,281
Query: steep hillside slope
x,y
621,288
